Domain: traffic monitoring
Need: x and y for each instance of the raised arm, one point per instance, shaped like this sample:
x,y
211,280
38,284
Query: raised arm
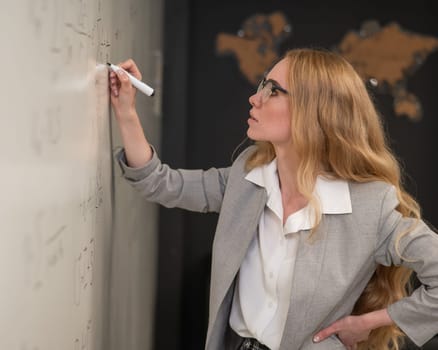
x,y
137,149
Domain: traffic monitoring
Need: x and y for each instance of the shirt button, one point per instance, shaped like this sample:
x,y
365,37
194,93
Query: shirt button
x,y
271,274
270,304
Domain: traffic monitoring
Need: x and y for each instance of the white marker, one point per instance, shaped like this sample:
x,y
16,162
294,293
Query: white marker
x,y
146,89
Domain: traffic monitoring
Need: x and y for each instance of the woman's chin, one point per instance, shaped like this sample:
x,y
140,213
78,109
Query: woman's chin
x,y
251,135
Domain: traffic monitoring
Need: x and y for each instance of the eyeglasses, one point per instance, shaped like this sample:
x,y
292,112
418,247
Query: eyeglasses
x,y
269,87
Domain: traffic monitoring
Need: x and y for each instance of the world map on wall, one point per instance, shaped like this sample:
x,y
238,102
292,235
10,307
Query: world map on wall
x,y
386,57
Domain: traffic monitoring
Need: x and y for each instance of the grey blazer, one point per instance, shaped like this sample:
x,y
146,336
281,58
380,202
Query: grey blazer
x,y
330,273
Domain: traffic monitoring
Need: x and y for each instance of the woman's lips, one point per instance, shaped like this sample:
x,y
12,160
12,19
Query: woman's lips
x,y
252,118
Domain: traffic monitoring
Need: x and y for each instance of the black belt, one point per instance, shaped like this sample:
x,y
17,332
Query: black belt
x,y
252,344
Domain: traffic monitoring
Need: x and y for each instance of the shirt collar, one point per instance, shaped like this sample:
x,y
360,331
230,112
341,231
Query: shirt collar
x,y
265,176
333,194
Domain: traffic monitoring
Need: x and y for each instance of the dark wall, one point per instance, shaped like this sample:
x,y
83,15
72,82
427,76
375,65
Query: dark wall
x,y
205,108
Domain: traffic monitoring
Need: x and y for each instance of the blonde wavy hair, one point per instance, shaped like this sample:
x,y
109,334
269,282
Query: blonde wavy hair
x,y
337,132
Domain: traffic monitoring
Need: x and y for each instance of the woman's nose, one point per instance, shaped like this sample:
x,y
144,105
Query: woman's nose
x,y
254,100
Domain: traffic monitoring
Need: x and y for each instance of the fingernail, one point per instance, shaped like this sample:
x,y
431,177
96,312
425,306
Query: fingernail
x,y
123,76
315,339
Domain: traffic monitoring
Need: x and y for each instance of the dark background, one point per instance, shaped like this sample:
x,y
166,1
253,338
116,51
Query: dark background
x,y
205,108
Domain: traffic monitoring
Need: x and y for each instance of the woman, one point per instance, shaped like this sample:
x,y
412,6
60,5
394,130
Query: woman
x,y
316,238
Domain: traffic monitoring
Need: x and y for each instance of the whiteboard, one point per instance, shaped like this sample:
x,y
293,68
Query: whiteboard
x,y
77,246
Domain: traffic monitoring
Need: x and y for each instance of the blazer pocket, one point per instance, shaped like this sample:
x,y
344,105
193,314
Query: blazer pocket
x,y
335,342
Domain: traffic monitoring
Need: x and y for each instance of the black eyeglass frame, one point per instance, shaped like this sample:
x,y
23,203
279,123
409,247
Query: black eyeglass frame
x,y
274,87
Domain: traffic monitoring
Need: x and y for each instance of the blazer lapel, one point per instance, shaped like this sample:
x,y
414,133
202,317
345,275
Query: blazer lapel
x,y
306,277
235,231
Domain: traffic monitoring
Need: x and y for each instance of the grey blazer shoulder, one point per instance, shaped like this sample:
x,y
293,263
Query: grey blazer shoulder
x,y
330,273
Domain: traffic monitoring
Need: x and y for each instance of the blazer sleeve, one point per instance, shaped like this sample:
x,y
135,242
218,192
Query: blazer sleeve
x,y
195,190
417,314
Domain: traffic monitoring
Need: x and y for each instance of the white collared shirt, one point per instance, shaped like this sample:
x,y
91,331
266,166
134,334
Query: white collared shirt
x,y
262,294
